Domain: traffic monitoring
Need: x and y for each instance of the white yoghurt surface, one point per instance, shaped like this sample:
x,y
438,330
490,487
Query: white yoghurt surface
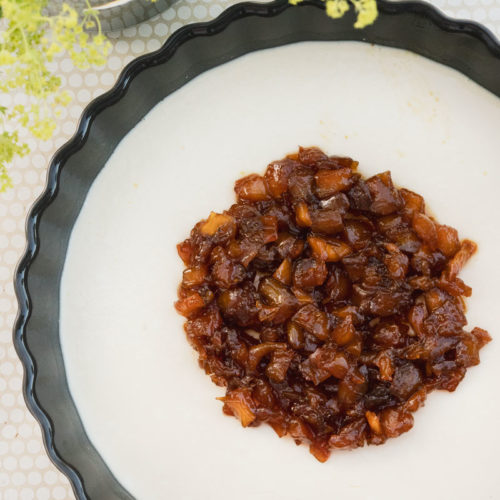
x,y
146,405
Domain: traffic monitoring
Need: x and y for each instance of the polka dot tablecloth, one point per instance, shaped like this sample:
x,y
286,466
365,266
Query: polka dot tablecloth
x,y
25,471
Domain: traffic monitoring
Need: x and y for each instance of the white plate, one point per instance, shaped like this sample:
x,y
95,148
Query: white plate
x,y
146,406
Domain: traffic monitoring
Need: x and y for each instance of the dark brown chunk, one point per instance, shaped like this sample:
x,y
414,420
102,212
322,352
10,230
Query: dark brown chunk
x,y
330,182
405,381
300,185
278,302
277,174
385,198
359,196
311,157
251,188
425,229
225,272
323,363
358,233
309,273
313,320
238,306
447,241
338,202
446,320
326,221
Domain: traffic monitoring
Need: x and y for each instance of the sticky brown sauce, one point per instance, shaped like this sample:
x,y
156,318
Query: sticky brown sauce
x,y
327,304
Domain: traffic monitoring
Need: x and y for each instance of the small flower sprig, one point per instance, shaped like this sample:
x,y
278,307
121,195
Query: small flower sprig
x,y
366,10
30,39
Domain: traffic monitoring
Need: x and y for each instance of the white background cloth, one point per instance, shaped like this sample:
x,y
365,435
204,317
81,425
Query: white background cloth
x,y
25,471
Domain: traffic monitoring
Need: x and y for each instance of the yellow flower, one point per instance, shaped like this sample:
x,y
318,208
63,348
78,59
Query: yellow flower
x,y
336,8
28,41
366,10
6,57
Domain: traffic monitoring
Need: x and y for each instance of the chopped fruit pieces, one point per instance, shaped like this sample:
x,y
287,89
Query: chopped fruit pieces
x,y
328,305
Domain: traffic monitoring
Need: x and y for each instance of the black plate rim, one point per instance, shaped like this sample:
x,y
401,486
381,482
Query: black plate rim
x,y
78,140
